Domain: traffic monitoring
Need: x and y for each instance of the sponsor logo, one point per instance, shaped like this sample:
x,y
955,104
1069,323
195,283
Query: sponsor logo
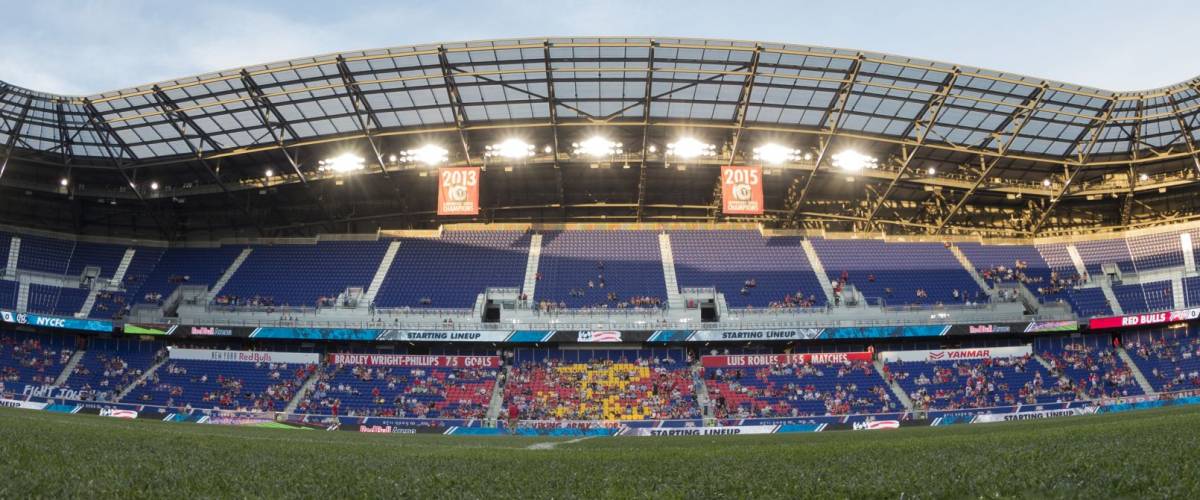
x,y
51,322
604,336
988,329
115,413
385,429
875,425
8,317
211,331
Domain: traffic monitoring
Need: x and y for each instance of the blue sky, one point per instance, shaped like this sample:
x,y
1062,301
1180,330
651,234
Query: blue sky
x,y
86,47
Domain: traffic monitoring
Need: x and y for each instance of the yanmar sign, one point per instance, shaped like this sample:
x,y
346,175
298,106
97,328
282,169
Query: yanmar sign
x,y
1157,318
956,354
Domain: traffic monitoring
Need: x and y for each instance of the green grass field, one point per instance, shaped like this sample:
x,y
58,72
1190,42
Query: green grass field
x,y
1153,453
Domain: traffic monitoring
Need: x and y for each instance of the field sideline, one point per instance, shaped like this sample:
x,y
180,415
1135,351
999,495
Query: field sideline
x,y
1149,453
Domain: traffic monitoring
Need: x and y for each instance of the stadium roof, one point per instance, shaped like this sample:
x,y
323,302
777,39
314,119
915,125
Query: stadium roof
x,y
1022,130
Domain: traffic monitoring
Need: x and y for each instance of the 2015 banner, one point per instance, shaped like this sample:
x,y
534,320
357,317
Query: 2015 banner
x,y
741,190
782,359
458,191
415,360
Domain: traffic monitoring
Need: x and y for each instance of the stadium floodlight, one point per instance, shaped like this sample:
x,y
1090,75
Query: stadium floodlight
x,y
776,154
269,172
653,148
931,171
512,149
63,182
690,147
343,163
154,186
597,147
548,149
1144,177
853,161
429,155
392,158
1046,182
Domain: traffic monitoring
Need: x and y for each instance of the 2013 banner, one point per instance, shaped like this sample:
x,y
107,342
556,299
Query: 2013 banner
x,y
741,190
458,191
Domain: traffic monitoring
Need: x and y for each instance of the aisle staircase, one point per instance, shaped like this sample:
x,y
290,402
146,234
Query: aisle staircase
x,y
14,252
216,289
531,266
970,268
674,299
814,261
23,296
1137,372
897,391
309,383
142,379
381,272
69,368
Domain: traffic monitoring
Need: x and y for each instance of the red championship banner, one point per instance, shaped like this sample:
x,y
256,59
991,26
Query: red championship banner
x,y
741,190
458,191
415,360
782,359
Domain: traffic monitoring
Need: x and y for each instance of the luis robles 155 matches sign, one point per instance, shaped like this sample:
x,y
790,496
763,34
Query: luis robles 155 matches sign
x,y
741,190
458,191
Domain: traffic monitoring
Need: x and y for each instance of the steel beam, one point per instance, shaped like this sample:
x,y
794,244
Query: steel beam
x,y
266,109
104,132
360,104
1186,132
460,115
1083,157
14,131
648,99
835,117
553,104
744,104
1021,119
934,109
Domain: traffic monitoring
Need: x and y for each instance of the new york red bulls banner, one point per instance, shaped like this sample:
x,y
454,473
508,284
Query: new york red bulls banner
x,y
741,190
458,191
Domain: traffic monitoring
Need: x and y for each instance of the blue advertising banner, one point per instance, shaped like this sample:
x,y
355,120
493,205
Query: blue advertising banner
x,y
30,319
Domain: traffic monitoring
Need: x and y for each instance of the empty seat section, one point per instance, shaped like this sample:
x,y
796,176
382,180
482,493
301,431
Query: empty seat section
x,y
726,260
106,257
113,305
893,272
47,255
1099,252
297,275
625,263
45,299
1191,290
8,294
451,271
186,266
1156,251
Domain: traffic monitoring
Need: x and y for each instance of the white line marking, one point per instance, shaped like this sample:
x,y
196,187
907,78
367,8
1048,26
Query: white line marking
x,y
552,444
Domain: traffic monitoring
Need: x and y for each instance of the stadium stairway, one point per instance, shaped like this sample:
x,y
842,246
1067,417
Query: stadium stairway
x,y
1106,287
1137,373
674,299
496,404
69,368
1077,260
216,288
302,393
1177,294
819,269
119,275
1189,256
88,303
970,268
897,391
701,390
531,266
142,379
381,272
14,252
23,296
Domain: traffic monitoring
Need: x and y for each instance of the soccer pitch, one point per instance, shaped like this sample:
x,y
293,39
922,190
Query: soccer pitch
x,y
1153,453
